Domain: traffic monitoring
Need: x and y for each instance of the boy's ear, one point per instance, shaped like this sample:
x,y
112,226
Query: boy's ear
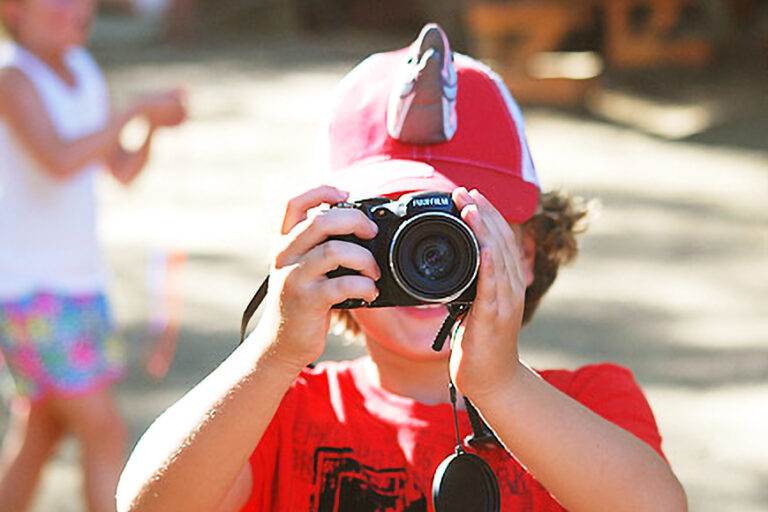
x,y
528,257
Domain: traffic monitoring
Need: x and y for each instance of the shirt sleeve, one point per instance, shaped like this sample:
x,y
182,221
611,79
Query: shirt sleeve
x,y
612,392
265,459
263,462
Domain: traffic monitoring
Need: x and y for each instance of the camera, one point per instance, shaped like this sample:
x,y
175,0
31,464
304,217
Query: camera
x,y
427,254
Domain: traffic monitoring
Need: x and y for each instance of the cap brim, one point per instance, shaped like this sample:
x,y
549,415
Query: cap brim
x,y
514,198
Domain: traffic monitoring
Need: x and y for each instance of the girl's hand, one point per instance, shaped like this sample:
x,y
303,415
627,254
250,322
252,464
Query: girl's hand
x,y
164,109
485,358
300,296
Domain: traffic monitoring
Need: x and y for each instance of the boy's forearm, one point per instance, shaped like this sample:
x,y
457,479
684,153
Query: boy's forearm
x,y
190,457
586,462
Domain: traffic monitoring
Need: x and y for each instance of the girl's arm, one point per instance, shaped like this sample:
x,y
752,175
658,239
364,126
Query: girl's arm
x,y
195,456
23,110
126,165
160,110
586,462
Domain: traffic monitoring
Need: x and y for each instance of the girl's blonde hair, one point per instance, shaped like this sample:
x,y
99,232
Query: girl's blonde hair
x,y
5,31
554,228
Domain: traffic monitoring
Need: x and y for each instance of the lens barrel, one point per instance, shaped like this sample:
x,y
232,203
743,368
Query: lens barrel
x,y
434,257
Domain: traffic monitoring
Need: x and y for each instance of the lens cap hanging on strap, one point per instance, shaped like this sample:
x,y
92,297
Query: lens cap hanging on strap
x,y
465,482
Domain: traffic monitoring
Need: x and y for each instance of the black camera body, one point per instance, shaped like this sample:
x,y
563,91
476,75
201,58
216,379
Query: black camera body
x,y
427,254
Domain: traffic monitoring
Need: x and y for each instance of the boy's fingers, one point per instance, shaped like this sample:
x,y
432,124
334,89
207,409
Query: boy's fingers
x,y
340,221
296,209
504,274
502,231
496,221
483,228
485,304
332,254
492,272
461,197
338,289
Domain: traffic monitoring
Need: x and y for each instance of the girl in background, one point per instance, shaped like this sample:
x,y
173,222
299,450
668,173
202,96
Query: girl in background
x,y
56,133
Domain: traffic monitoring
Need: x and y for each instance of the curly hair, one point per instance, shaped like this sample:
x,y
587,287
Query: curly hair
x,y
555,227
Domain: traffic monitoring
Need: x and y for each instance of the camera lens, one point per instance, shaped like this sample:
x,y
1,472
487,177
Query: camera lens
x,y
434,257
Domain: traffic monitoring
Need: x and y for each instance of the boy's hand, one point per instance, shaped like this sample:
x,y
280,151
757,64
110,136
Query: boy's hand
x,y
485,358
165,109
300,294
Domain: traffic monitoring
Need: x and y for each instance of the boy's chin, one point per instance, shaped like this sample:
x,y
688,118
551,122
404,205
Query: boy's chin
x,y
420,325
412,329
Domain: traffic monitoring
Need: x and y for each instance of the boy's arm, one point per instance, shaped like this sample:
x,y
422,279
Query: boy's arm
x,y
22,108
194,457
586,462
583,460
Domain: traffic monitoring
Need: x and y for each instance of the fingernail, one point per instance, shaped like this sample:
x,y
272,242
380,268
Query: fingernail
x,y
471,209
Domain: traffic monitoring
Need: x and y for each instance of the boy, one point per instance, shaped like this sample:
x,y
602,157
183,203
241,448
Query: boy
x,y
262,432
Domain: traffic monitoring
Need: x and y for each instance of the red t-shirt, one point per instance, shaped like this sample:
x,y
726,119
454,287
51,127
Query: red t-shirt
x,y
340,444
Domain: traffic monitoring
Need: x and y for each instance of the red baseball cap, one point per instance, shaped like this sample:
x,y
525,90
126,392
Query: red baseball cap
x,y
379,143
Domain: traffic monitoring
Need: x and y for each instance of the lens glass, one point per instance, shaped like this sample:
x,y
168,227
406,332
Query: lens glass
x,y
434,257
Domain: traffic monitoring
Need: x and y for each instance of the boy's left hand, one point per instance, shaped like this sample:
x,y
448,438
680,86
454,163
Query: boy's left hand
x,y
484,358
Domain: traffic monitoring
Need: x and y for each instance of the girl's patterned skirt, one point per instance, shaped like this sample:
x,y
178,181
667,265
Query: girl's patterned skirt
x,y
58,344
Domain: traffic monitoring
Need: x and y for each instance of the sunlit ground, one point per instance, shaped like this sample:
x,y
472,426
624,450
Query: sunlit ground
x,y
671,281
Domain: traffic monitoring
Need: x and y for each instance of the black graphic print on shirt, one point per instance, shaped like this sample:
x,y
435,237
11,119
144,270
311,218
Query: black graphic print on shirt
x,y
343,484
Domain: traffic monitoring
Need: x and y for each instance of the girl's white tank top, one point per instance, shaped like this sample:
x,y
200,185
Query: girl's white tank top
x,y
48,234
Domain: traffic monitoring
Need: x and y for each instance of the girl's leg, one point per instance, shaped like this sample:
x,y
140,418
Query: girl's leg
x,y
95,421
33,434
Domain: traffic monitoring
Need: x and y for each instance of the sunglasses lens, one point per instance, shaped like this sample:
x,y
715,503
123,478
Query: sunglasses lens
x,y
463,482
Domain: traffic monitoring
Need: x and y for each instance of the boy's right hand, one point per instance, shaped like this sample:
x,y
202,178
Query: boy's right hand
x,y
301,295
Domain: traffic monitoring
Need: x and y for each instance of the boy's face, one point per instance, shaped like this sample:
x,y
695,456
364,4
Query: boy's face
x,y
55,24
408,332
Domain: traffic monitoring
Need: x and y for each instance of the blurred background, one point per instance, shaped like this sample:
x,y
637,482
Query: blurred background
x,y
657,108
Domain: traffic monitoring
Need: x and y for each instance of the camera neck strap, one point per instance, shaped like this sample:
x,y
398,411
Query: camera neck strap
x,y
481,433
252,306
464,480
456,314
